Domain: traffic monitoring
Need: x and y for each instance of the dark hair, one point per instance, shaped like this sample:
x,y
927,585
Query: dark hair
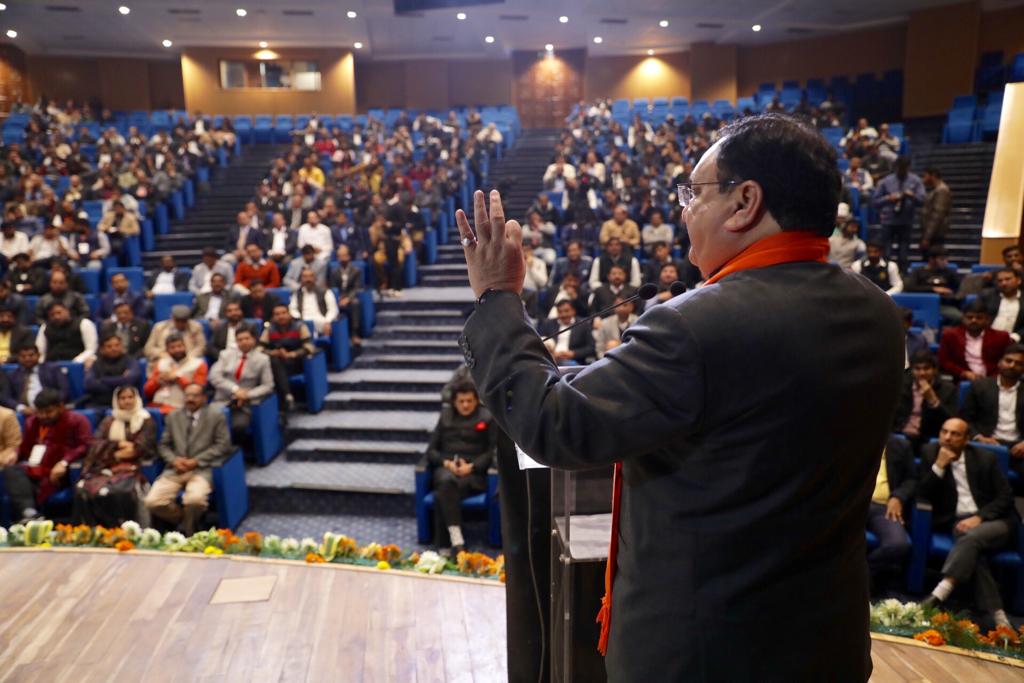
x,y
173,338
1014,348
27,347
931,170
55,304
907,314
937,250
47,398
307,249
245,330
976,306
255,281
924,358
464,388
1011,271
1012,247
108,337
794,165
876,244
617,267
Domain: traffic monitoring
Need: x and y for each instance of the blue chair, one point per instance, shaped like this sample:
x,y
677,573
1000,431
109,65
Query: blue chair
x,y
161,219
409,275
266,432
367,311
178,205
283,128
230,492
90,278
312,383
75,373
985,267
263,128
924,306
486,502
136,277
131,256
162,303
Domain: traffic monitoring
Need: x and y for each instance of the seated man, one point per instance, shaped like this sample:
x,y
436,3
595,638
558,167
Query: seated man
x,y
609,334
461,449
311,302
30,378
667,276
570,290
53,439
660,255
48,246
134,332
225,332
614,255
994,407
281,240
23,278
13,335
541,236
111,369
938,277
576,346
168,279
622,227
348,280
287,341
195,440
309,260
926,402
573,262
210,305
259,303
180,324
117,224
63,338
171,373
656,232
255,267
916,341
885,274
202,273
239,237
240,377
121,292
605,295
972,349
14,302
1003,303
971,499
60,292
845,245
536,278
895,485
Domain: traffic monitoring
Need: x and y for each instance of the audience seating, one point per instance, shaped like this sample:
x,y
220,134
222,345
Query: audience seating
x,y
924,306
312,383
486,502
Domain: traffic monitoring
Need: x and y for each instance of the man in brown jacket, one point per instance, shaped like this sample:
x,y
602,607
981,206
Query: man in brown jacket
x,y
936,208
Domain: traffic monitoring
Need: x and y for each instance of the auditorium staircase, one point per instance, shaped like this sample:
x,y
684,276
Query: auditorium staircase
x,y
520,172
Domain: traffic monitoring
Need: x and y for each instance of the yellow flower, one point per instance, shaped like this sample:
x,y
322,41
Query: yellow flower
x,y
45,544
211,550
383,565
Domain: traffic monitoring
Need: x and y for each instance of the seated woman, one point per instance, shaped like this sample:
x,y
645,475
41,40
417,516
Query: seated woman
x,y
461,450
112,485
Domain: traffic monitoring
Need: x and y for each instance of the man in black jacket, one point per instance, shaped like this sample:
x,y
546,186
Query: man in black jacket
x,y
222,334
1003,302
749,418
604,296
575,346
994,407
937,277
134,332
895,484
461,450
971,499
925,402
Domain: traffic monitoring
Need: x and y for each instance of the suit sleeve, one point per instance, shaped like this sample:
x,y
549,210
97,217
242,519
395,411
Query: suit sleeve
x,y
217,379
219,448
653,382
970,410
1001,504
947,355
266,385
928,481
901,450
165,449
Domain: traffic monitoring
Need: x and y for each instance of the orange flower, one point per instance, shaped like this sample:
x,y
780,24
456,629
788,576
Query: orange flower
x,y
253,538
124,546
314,558
968,625
941,618
1003,636
388,553
931,636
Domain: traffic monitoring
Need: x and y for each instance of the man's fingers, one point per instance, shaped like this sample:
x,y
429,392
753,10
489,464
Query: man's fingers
x,y
497,214
465,232
483,228
514,233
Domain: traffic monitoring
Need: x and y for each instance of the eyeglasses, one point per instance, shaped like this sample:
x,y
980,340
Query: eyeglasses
x,y
685,190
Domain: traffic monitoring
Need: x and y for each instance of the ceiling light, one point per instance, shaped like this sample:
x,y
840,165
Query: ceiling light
x,y
598,39
563,19
351,14
11,33
357,45
488,39
549,47
650,53
263,43
755,28
124,9
240,12
2,7
461,16
663,23
166,42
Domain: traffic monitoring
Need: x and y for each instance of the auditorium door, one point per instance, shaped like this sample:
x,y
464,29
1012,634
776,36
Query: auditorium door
x,y
547,86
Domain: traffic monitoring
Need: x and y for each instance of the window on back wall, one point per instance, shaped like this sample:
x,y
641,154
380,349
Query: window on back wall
x,y
270,74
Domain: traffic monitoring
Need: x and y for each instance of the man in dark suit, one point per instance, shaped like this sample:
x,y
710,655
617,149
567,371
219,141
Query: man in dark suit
x,y
348,280
31,377
168,279
973,349
213,305
971,499
121,292
994,407
893,496
604,296
259,303
1003,303
937,277
195,440
574,347
926,401
23,278
15,302
573,262
239,237
134,332
13,335
728,408
223,332
112,368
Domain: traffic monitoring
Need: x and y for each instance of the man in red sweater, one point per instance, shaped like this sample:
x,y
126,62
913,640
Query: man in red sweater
x,y
972,349
255,267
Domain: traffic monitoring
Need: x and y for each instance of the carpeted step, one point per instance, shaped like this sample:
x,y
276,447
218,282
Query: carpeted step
x,y
382,345
384,425
356,450
383,400
422,361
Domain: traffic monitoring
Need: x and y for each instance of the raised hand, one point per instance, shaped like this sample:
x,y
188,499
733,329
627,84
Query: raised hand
x,y
494,254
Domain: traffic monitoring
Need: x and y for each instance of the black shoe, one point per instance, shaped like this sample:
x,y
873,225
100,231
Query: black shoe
x,y
456,549
931,601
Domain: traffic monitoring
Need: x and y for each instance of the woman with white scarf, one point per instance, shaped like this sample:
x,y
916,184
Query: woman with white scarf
x,y
112,485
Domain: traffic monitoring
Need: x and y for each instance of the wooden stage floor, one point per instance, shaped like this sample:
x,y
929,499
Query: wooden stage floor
x,y
81,616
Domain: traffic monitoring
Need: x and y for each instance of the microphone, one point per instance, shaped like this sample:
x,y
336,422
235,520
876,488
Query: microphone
x,y
677,288
645,292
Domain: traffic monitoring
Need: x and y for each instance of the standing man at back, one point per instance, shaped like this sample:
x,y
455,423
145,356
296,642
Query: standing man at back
x,y
747,418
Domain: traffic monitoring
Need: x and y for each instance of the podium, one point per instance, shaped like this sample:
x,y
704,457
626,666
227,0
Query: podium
x,y
581,505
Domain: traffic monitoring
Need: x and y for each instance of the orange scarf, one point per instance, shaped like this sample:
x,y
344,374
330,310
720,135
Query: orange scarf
x,y
783,247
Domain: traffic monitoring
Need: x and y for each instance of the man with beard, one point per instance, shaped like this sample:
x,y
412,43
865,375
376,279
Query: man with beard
x,y
258,303
169,376
65,338
973,349
168,279
994,407
287,341
13,335
885,274
224,331
121,293
1003,303
111,369
61,293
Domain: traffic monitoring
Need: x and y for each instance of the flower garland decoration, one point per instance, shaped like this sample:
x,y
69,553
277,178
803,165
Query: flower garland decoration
x,y
334,548
938,628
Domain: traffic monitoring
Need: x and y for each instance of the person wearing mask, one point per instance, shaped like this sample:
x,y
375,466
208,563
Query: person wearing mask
x,y
65,338
53,439
111,369
133,332
112,486
171,373
885,274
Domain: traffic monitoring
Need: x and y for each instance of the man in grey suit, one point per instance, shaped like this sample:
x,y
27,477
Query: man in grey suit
x,y
195,440
747,419
213,305
241,376
348,280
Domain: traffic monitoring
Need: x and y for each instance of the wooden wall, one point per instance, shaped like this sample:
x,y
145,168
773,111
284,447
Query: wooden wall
x,y
433,83
120,83
663,75
1003,30
13,84
940,59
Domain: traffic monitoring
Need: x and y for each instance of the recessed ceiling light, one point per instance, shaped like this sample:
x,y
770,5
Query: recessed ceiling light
x,y
549,47
263,43
461,16
124,9
755,28
663,23
650,53
357,45
598,39
11,33
563,19
488,39
240,12
351,14
166,42
2,7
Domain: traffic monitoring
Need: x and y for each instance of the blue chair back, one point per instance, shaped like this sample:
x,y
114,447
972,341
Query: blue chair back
x,y
136,277
924,306
75,373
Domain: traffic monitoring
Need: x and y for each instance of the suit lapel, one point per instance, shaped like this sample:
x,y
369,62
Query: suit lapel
x,y
971,466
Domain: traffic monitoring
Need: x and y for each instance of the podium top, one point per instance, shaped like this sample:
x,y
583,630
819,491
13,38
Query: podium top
x,y
587,535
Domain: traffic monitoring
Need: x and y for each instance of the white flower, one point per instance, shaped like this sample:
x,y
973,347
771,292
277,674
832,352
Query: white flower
x,y
3,536
17,534
132,530
289,546
150,538
174,540
431,563
272,543
308,545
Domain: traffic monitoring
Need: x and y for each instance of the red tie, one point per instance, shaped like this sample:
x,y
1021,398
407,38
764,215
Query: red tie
x,y
238,370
